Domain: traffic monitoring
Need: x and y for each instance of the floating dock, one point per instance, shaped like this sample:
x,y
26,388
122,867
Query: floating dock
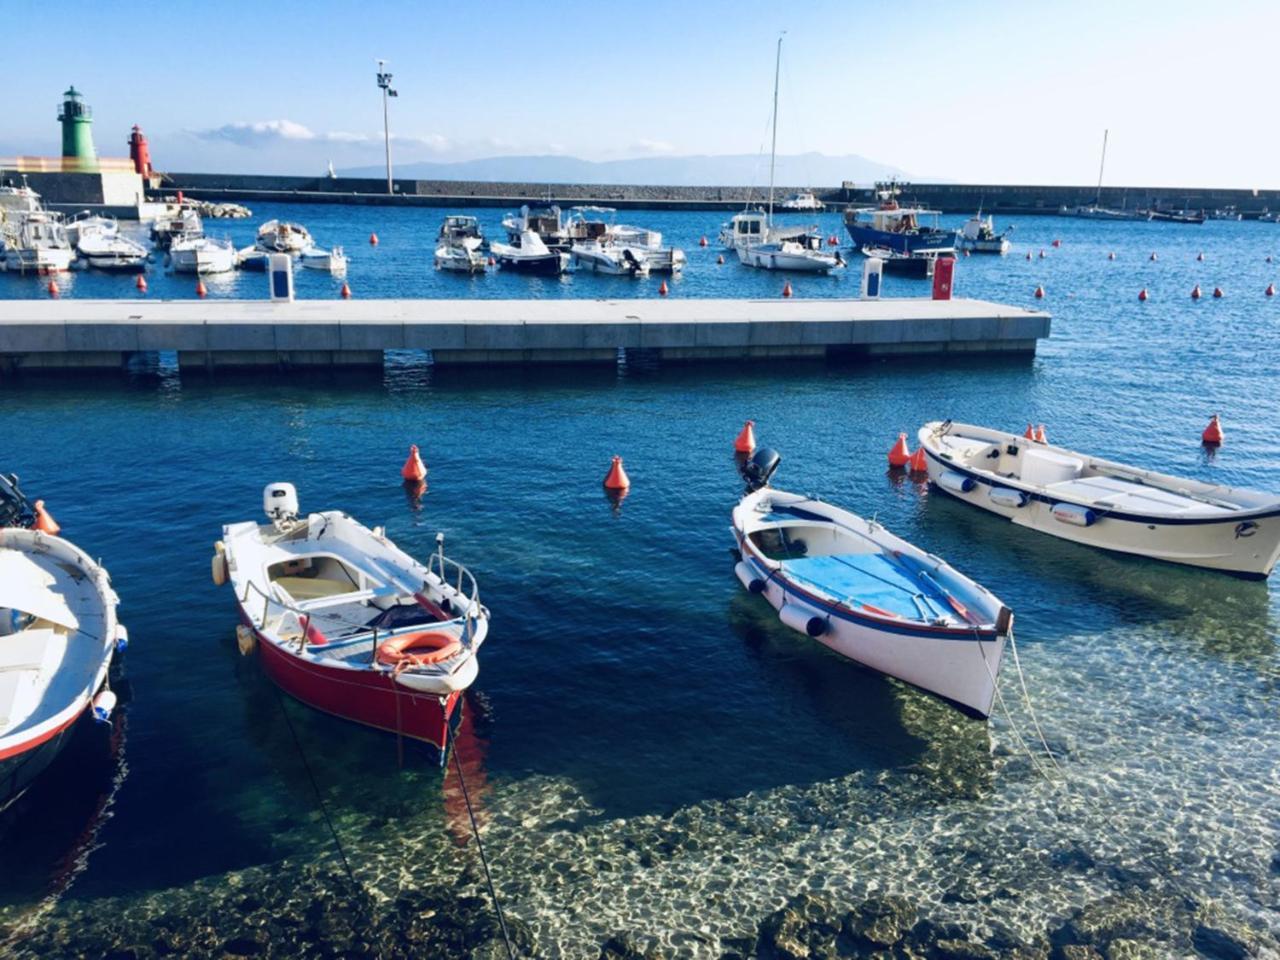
x,y
220,334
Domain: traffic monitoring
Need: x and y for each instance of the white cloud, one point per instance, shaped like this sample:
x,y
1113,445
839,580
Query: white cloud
x,y
261,133
645,145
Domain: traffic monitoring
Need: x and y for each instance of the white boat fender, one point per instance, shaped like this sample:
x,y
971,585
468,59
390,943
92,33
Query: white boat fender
x,y
245,640
956,482
802,619
747,574
1074,514
103,704
219,564
122,638
1008,497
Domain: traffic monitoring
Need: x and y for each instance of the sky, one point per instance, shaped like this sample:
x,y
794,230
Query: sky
x,y
996,92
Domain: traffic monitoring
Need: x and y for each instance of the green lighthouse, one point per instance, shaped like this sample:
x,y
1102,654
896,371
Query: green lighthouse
x,y
77,139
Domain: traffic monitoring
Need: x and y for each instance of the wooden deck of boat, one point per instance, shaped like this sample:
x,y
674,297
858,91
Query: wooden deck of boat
x,y
78,334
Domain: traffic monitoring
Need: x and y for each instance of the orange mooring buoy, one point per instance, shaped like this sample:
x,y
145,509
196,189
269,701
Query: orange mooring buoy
x,y
1039,293
414,469
746,441
345,291
373,239
1195,292
1041,436
1057,242
662,289
141,283
201,289
44,522
919,462
786,288
53,289
703,241
1142,295
617,478
1217,293
1271,290
900,454
1030,432
1212,435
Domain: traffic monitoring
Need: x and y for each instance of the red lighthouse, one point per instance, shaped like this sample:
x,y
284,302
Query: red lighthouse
x,y
139,152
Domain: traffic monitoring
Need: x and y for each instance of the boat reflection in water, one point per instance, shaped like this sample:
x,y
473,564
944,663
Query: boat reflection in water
x,y
466,782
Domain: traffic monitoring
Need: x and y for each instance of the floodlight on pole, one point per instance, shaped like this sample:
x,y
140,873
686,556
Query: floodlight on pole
x,y
384,84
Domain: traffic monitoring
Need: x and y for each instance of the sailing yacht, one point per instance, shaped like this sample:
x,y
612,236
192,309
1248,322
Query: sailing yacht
x,y
800,254
1095,210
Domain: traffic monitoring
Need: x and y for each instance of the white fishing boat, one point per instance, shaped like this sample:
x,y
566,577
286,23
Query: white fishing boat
x,y
853,586
803,200
460,245
614,259
18,200
37,243
531,256
1096,502
753,227
110,250
330,261
202,255
184,224
347,622
280,236
978,235
58,633
803,255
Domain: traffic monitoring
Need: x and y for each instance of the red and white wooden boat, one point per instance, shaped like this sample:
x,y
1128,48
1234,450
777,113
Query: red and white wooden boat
x,y
58,631
348,623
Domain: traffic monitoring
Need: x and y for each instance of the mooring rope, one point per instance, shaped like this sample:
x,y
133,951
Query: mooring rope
x,y
475,830
1026,698
1008,715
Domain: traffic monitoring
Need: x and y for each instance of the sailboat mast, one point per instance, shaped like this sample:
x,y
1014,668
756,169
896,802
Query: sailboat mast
x,y
773,148
1097,197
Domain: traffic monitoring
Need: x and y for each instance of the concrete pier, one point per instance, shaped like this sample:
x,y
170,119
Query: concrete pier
x,y
213,334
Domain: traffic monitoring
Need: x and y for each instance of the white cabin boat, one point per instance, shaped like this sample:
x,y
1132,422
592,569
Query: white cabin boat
x,y
752,227
58,633
330,261
804,257
280,236
1104,504
18,200
978,235
185,224
804,200
202,255
608,257
543,220
86,223
347,622
460,245
596,224
110,250
531,256
853,586
37,243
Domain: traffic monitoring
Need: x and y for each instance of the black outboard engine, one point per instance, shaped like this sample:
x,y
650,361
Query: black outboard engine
x,y
15,509
757,470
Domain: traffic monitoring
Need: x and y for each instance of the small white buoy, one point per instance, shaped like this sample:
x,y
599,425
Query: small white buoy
x,y
103,704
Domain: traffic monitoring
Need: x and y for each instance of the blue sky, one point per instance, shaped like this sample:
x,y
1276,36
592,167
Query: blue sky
x,y
996,92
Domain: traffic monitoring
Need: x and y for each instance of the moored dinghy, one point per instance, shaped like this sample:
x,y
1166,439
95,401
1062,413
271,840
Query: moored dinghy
x,y
853,586
58,632
1104,504
350,624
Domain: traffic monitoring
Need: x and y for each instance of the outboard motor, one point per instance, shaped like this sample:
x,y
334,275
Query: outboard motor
x,y
280,502
15,509
759,469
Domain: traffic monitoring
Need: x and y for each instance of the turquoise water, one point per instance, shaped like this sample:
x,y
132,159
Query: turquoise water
x,y
630,692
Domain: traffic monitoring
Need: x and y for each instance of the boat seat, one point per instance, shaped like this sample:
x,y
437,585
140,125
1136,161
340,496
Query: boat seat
x,y
26,650
867,578
964,448
310,588
1132,497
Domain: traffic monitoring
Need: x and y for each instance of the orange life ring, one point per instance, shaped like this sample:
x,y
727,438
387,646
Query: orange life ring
x,y
417,649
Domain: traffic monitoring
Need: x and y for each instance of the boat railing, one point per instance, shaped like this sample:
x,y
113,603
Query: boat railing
x,y
463,583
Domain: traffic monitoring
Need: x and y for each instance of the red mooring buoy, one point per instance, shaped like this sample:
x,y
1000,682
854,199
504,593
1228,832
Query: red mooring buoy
x,y
1213,435
616,478
900,453
1271,290
746,439
786,288
345,291
53,289
662,289
1039,293
1057,243
414,469
1195,292
1217,293
201,290
1142,295
702,242
141,283
373,239
919,462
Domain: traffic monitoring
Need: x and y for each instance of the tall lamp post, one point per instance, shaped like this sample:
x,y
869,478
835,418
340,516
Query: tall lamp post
x,y
384,84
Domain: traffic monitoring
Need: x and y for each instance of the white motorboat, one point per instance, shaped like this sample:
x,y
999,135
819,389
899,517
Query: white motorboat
x,y
37,242
460,245
853,586
202,255
604,256
753,227
185,224
347,622
18,200
110,250
543,220
1104,504
330,261
916,263
531,256
596,224
804,200
978,235
280,236
58,633
86,223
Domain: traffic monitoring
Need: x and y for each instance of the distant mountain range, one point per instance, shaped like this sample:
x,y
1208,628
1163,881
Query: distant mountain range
x,y
806,169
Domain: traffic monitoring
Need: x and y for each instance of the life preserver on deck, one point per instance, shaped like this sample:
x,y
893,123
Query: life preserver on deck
x,y
418,649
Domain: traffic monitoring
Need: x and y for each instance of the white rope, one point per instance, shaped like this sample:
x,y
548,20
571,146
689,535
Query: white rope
x,y
1009,716
1026,697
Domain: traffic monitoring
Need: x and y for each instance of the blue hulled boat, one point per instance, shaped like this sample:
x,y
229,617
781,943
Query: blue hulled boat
x,y
891,226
